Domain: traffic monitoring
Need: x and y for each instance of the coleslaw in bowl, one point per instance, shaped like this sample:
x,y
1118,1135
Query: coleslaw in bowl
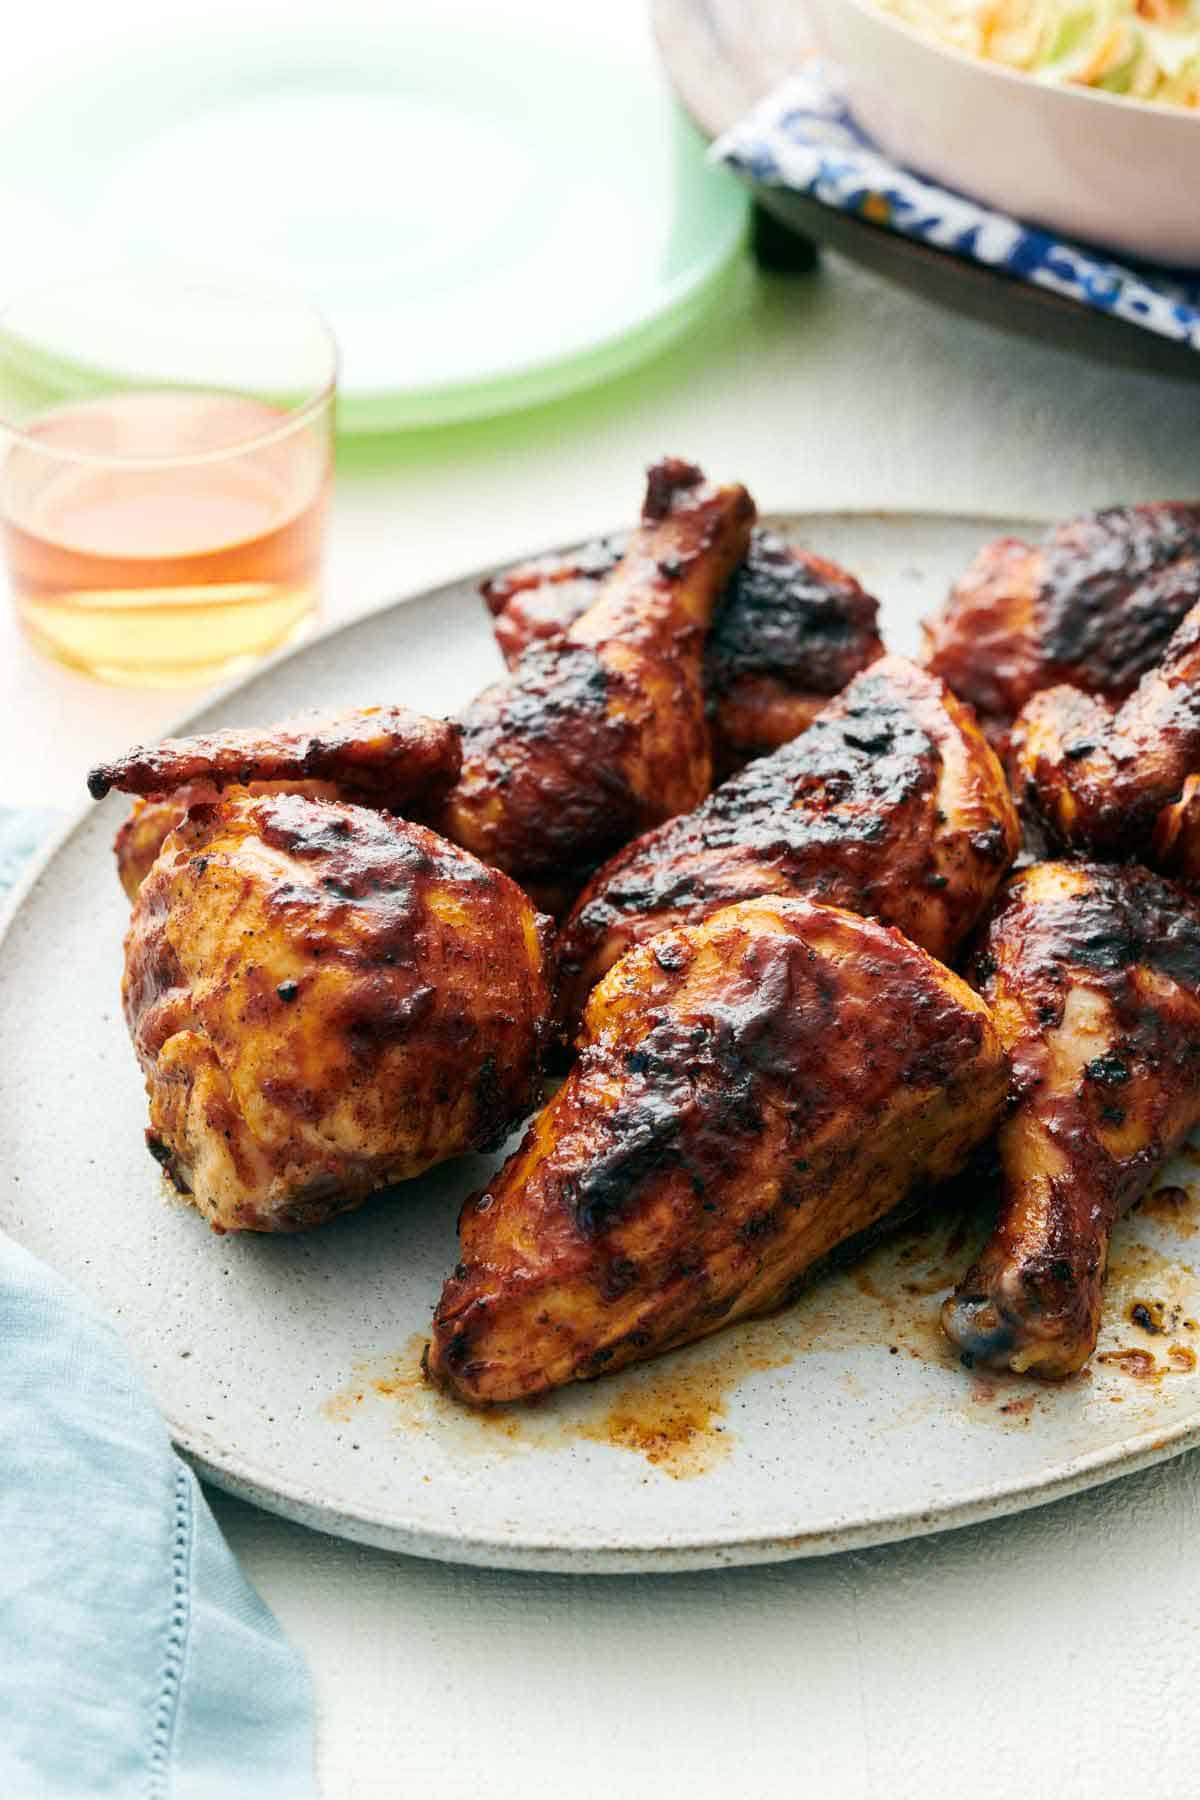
x,y
1144,49
1097,166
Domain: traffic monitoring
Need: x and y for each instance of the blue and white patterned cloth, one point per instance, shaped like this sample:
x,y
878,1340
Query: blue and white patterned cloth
x,y
803,137
136,1662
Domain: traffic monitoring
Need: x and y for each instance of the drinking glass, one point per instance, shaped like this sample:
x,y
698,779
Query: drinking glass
x,y
165,467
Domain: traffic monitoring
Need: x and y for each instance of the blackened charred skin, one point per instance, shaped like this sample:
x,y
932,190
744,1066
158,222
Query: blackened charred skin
x,y
1093,974
795,616
734,1115
559,703
790,630
861,812
1114,586
1123,792
1093,606
599,732
665,481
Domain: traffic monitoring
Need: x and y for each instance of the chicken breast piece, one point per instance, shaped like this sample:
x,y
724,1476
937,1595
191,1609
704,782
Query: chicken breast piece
x,y
751,1092
1093,977
324,999
891,804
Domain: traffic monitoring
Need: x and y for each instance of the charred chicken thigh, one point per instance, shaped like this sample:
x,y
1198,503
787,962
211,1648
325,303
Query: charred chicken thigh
x,y
751,1092
601,731
1092,606
385,756
1093,977
792,631
892,804
789,632
324,999
1117,782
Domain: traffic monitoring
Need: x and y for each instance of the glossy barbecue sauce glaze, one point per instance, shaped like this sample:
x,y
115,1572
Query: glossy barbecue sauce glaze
x,y
710,1144
383,753
864,811
1093,606
1133,942
789,631
343,963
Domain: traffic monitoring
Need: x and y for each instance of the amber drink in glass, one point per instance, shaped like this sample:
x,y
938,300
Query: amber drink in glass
x,y
165,458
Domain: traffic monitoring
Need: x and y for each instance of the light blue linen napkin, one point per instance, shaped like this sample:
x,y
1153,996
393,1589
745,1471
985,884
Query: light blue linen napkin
x,y
135,1659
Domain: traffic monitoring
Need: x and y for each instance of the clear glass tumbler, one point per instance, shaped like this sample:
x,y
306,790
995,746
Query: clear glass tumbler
x,y
165,467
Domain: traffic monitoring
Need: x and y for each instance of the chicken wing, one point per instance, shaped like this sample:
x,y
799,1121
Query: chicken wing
x,y
324,999
1092,606
1093,977
752,1092
382,755
789,632
379,755
891,804
1099,778
601,732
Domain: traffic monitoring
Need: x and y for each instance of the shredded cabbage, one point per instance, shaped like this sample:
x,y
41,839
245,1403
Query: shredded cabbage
x,y
1147,49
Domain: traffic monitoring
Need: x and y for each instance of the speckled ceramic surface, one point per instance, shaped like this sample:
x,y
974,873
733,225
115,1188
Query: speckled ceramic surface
x,y
287,1367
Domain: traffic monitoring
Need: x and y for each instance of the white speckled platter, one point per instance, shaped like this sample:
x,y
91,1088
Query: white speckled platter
x,y
287,1367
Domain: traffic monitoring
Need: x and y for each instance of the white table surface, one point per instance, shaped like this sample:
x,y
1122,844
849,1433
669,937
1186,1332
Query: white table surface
x,y
1053,1653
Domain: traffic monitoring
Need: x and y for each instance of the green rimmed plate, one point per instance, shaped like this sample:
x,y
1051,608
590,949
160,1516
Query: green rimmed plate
x,y
490,215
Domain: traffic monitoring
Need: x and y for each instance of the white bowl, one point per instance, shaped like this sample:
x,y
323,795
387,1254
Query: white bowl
x,y
1118,172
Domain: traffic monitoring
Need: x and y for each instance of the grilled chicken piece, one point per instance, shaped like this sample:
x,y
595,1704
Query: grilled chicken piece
x,y
789,632
323,999
382,755
379,755
141,836
752,1092
1092,606
601,732
792,630
144,831
1099,778
1093,977
891,804
1175,845
539,599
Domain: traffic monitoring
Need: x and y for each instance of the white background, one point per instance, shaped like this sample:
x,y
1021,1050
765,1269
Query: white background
x,y
1052,1654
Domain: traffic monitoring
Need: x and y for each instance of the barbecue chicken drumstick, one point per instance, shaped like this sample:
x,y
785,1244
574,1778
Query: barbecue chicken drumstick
x,y
790,630
752,1092
892,804
1093,977
601,731
1091,606
324,999
386,756
1117,782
